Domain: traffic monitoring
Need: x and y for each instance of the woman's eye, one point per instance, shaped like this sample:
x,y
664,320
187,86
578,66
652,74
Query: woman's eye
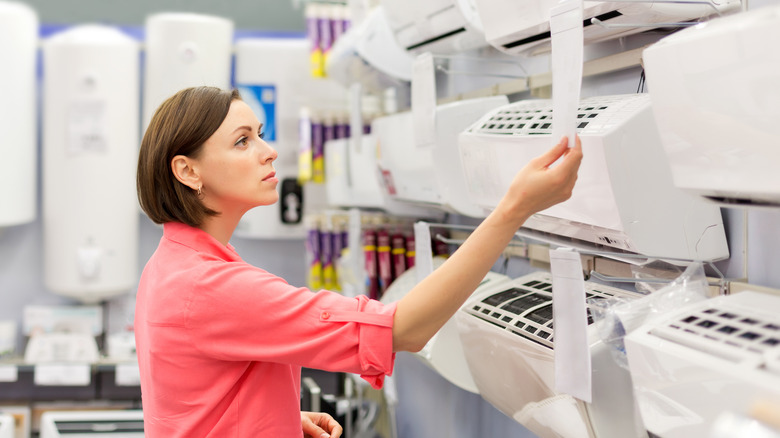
x,y
262,135
242,141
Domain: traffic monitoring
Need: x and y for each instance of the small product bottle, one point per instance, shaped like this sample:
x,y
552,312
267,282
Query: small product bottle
x,y
384,261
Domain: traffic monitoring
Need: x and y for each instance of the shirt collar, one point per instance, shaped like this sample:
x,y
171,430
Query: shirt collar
x,y
198,240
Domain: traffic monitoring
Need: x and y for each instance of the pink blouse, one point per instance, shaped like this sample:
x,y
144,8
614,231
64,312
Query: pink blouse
x,y
221,343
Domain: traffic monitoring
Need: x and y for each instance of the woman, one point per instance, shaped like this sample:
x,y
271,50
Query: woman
x,y
221,343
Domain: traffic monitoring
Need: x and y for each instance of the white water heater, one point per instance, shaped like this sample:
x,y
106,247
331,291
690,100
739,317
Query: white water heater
x,y
18,133
184,50
272,75
90,142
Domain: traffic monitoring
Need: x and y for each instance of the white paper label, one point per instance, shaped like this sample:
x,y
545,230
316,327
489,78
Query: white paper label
x,y
62,375
424,100
423,254
127,374
567,57
572,353
87,127
9,373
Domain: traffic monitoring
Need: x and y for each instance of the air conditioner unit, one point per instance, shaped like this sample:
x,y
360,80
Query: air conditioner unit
x,y
444,352
353,179
92,424
436,26
714,356
515,26
507,336
715,95
368,54
624,197
428,173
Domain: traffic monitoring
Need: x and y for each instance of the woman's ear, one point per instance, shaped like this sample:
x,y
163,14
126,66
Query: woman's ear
x,y
184,171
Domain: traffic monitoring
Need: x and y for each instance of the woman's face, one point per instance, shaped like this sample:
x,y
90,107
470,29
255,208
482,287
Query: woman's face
x,y
236,165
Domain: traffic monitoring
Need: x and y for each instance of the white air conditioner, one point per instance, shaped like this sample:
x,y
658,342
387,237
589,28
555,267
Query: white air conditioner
x,y
715,92
515,26
428,173
436,26
444,351
507,336
368,54
92,424
353,180
714,356
624,197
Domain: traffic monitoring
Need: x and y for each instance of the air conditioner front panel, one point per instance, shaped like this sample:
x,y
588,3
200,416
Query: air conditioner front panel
x,y
491,163
714,92
436,26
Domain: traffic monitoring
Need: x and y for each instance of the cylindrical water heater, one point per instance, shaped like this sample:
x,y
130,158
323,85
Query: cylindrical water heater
x,y
272,75
184,50
90,152
18,133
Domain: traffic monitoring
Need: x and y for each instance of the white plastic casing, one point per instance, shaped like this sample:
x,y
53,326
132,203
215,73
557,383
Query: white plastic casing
x,y
184,50
712,357
18,107
624,197
436,26
715,95
368,54
434,176
99,423
90,141
523,27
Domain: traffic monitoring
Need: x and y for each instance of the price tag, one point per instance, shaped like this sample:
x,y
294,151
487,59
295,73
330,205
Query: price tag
x,y
127,374
62,374
9,373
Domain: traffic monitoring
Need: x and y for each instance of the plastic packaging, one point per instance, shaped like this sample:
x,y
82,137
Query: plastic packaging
x,y
616,317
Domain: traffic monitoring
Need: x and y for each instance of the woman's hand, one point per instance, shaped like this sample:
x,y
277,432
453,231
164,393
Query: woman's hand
x,y
538,186
319,425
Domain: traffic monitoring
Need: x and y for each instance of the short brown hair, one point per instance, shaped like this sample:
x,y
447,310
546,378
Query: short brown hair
x,y
180,126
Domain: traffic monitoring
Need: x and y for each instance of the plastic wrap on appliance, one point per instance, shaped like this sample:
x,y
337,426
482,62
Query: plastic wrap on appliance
x,y
616,317
509,375
558,416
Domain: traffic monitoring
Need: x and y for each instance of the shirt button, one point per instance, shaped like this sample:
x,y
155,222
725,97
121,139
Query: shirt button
x,y
325,315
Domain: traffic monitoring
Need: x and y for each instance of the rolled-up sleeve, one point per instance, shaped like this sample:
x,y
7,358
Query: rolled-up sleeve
x,y
240,312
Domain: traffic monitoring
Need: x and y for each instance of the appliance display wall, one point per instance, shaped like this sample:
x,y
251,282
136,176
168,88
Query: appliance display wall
x,y
184,50
90,140
18,107
715,94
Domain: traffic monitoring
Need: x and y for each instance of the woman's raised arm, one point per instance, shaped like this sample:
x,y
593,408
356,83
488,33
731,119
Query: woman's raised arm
x,y
428,306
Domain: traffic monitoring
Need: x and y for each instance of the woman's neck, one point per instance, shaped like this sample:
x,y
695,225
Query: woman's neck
x,y
221,227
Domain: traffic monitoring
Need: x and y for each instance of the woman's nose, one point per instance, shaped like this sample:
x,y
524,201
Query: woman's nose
x,y
267,153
